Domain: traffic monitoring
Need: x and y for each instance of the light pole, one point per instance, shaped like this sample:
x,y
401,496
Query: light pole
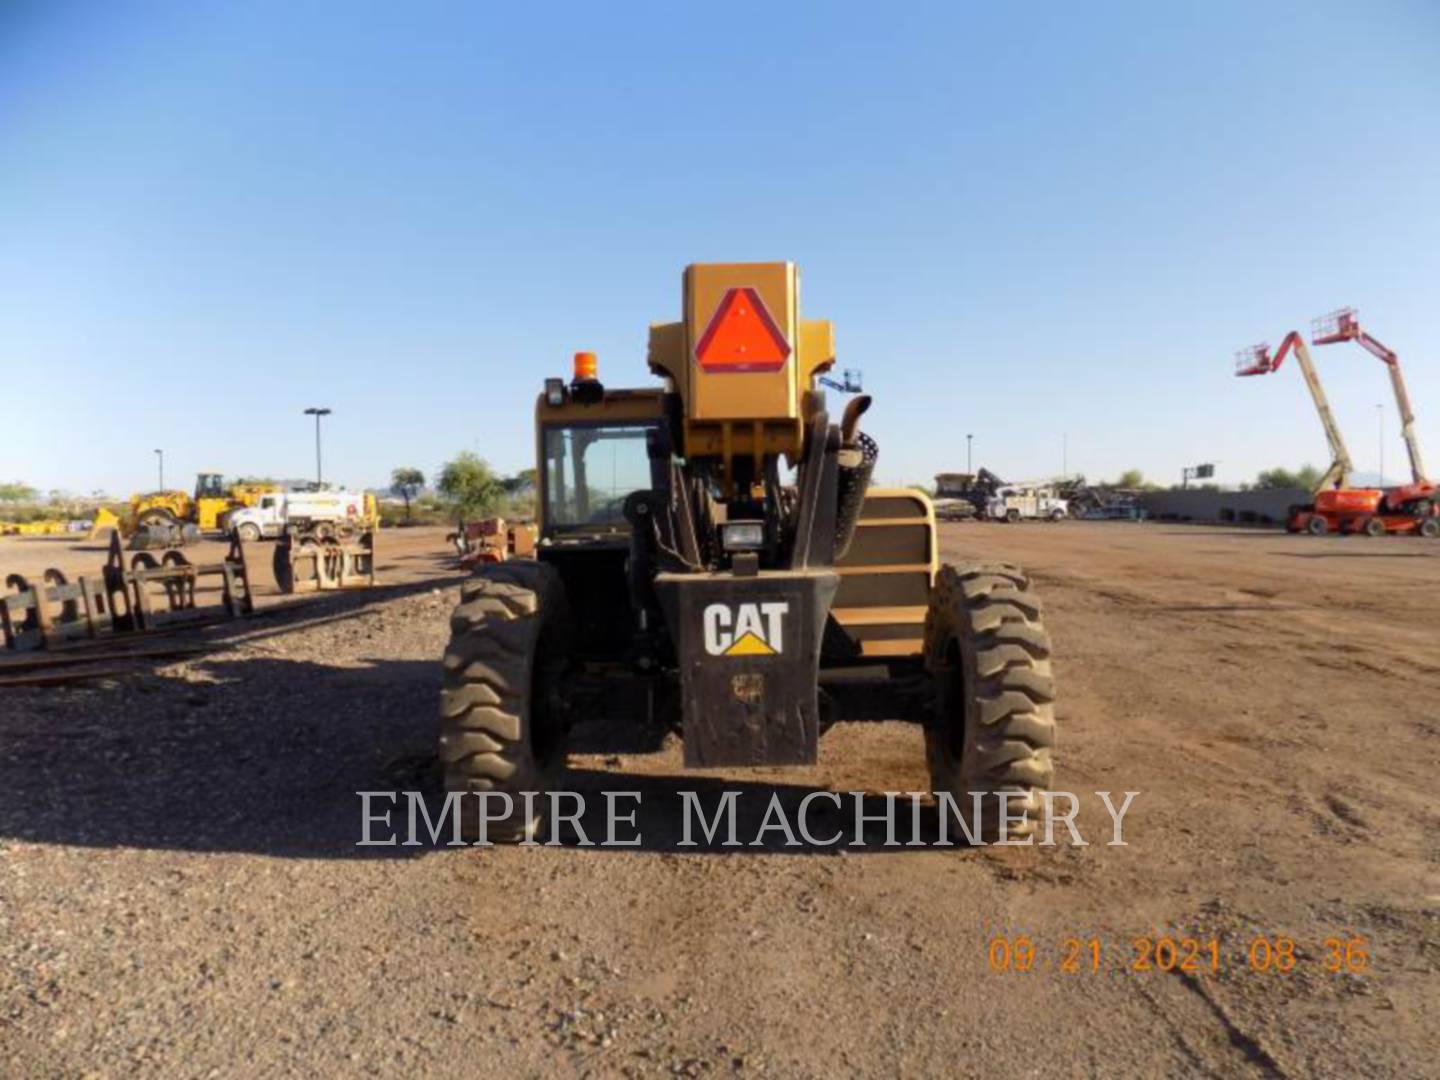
x,y
317,413
160,454
1380,414
968,440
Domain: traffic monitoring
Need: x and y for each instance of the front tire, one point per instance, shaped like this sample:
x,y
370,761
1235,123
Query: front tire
x,y
994,729
1317,525
1430,528
1374,527
501,715
249,532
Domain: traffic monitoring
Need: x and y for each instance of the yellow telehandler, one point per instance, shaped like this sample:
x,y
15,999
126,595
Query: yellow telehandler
x,y
712,561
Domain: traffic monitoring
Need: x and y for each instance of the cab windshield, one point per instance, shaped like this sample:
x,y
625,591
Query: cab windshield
x,y
589,470
209,486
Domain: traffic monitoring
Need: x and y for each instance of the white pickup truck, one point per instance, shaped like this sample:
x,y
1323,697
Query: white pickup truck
x,y
310,513
1019,504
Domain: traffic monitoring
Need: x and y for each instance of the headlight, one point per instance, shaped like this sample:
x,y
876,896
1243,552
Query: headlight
x,y
742,535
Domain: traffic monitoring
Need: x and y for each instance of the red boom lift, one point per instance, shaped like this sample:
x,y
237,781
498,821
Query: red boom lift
x,y
1333,491
1337,507
1407,508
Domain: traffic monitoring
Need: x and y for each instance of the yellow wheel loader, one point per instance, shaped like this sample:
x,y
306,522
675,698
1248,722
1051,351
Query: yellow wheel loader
x,y
712,561
169,518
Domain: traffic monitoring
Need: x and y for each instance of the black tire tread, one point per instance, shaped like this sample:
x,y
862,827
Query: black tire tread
x,y
994,617
487,688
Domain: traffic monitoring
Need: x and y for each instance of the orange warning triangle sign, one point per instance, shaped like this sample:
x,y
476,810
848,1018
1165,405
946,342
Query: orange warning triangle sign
x,y
742,336
747,644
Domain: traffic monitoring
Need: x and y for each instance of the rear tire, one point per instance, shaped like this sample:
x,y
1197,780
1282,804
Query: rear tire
x,y
158,517
1317,526
1374,527
1430,527
1012,516
249,532
502,725
987,649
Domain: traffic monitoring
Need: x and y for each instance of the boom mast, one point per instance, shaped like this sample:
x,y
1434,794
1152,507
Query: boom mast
x,y
1344,325
1257,361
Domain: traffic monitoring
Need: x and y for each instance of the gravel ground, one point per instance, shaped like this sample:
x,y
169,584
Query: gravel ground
x,y
181,892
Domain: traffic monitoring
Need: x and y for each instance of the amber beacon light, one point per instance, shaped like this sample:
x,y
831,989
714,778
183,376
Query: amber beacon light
x,y
587,367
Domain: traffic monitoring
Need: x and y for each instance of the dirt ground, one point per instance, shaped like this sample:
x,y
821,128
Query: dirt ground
x,y
180,890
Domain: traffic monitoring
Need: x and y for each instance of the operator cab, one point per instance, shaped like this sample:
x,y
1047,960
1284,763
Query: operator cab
x,y
209,486
590,470
593,452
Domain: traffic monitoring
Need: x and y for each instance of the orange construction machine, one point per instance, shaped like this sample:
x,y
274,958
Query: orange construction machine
x,y
1410,508
1405,508
1337,507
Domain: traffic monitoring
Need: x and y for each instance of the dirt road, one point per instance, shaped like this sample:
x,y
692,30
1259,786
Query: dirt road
x,y
180,890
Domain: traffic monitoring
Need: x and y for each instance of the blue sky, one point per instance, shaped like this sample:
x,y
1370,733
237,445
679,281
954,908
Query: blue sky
x,y
1025,221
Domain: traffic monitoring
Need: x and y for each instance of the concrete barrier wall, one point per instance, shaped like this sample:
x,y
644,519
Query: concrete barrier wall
x,y
1268,507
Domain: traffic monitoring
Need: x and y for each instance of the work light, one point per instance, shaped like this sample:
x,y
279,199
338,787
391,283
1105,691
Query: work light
x,y
742,535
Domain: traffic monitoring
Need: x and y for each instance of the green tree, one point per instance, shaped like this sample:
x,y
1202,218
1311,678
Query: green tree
x,y
17,492
1131,478
406,481
520,491
470,486
1308,477
523,482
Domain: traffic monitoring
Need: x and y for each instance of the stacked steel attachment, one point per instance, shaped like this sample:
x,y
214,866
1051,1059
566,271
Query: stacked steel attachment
x,y
310,563
148,594
53,612
175,577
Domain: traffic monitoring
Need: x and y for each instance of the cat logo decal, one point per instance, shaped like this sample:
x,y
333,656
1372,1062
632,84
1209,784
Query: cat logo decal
x,y
745,629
